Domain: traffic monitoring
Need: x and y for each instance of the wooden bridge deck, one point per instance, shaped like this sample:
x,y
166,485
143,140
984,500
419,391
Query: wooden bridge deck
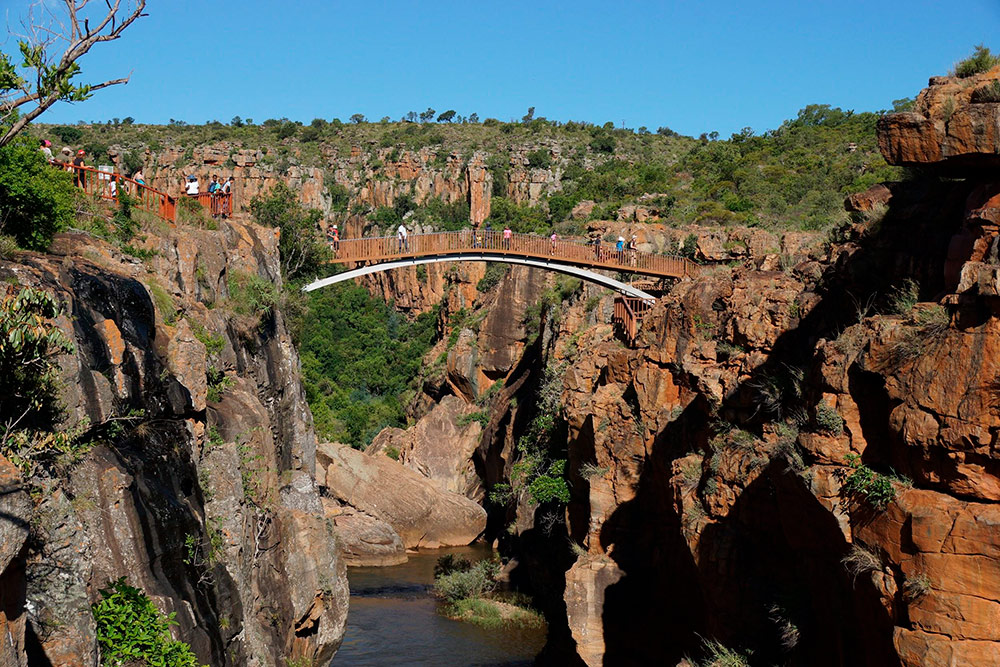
x,y
494,247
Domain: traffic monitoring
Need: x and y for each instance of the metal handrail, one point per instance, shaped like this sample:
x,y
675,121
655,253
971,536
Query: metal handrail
x,y
572,251
98,183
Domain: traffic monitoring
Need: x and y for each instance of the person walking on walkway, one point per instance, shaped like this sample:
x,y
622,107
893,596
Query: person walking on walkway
x,y
191,187
139,177
507,235
46,150
632,251
401,239
620,248
553,239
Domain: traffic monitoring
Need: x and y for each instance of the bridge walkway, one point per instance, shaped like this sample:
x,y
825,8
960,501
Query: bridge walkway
x,y
493,247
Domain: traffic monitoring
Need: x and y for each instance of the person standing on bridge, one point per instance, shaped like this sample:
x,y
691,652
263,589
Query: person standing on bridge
x,y
139,177
632,251
191,187
401,239
553,239
507,234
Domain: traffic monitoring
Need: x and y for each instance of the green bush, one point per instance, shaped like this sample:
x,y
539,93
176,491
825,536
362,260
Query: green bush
x,y
132,631
540,159
550,486
495,272
475,582
829,420
865,483
36,200
250,294
980,61
521,219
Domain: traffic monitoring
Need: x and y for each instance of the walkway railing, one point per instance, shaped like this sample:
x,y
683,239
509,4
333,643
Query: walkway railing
x,y
575,252
98,183
628,315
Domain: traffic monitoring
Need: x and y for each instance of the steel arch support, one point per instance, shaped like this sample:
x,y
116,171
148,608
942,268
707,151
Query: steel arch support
x,y
568,269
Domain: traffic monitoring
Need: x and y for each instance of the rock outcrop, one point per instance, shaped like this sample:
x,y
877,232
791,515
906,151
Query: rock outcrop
x,y
949,129
420,512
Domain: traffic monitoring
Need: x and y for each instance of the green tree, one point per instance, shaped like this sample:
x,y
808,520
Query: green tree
x,y
302,249
357,118
446,116
43,77
36,201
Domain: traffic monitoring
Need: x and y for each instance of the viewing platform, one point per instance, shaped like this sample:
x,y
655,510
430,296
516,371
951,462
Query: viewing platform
x,y
98,183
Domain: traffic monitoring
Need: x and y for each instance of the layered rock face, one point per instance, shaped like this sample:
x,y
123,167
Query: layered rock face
x,y
951,129
204,498
716,468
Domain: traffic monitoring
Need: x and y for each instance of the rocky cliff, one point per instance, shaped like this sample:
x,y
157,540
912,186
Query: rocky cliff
x,y
196,482
797,457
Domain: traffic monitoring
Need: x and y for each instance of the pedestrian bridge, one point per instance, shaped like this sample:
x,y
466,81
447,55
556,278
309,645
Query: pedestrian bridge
x,y
572,257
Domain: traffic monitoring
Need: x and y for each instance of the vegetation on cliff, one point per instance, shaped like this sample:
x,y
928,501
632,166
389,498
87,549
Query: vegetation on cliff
x,y
132,631
359,360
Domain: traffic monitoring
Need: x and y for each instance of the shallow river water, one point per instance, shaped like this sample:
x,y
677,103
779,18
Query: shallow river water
x,y
393,620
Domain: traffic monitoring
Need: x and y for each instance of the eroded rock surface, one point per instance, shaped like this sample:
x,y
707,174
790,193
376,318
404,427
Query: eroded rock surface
x,y
417,509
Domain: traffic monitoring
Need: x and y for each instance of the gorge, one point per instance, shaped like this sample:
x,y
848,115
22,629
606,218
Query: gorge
x,y
794,461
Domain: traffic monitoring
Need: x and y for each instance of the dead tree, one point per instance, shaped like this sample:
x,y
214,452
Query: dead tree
x,y
45,75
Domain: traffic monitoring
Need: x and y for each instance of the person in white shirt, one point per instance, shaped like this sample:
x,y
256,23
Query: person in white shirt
x,y
191,187
401,238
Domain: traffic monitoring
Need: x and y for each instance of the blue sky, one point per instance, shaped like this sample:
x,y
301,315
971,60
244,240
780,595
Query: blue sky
x,y
692,66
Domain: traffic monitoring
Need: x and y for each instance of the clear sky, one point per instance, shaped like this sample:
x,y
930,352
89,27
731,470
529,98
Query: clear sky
x,y
692,66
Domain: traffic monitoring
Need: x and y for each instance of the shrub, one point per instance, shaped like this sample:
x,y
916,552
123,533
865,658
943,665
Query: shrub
x,y
131,630
829,420
250,294
550,486
495,272
980,61
392,452
451,563
865,483
36,200
29,346
539,159
477,581
303,251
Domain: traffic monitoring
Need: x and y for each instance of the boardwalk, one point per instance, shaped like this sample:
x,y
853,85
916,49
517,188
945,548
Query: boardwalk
x,y
494,247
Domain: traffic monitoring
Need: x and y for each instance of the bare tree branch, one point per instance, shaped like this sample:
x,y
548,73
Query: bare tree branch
x,y
50,80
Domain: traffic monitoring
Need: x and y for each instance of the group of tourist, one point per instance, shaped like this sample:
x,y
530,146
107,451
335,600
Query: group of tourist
x,y
487,239
219,191
623,251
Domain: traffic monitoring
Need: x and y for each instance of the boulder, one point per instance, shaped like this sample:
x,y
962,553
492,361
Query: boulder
x,y
417,509
439,446
364,540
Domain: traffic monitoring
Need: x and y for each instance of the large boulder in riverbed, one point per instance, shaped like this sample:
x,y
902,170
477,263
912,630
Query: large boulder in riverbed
x,y
415,507
364,540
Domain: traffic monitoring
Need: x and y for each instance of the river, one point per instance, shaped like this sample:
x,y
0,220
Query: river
x,y
393,620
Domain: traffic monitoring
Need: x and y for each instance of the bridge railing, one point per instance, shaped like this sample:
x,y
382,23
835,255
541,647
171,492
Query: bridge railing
x,y
628,314
98,183
527,245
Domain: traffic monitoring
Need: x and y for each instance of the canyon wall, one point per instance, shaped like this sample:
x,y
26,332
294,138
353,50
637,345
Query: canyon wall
x,y
796,459
194,477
